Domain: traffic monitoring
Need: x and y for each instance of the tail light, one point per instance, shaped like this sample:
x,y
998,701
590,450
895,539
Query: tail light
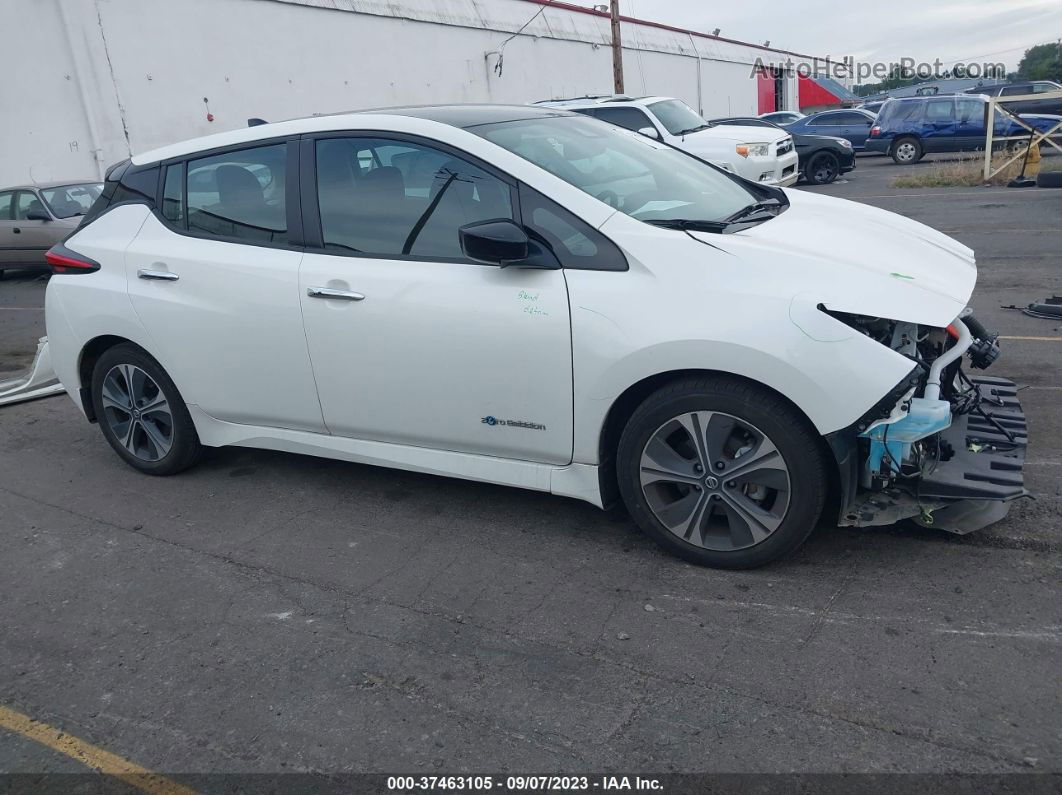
x,y
875,131
64,260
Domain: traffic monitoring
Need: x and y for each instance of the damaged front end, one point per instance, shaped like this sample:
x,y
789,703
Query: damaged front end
x,y
943,447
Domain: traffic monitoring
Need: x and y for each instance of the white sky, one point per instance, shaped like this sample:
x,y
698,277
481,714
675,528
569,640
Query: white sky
x,y
951,30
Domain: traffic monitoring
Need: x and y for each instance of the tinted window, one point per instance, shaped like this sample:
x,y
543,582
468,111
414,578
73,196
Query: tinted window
x,y
173,194
384,197
6,201
940,110
66,201
239,194
895,113
1043,88
1013,91
575,243
970,111
628,118
25,204
827,120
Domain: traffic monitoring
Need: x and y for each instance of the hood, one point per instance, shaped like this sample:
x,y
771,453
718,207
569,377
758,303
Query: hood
x,y
854,258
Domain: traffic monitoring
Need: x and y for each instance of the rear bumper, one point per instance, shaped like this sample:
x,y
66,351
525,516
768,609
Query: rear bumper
x,y
880,145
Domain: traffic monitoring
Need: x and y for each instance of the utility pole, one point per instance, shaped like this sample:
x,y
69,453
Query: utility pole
x,y
617,47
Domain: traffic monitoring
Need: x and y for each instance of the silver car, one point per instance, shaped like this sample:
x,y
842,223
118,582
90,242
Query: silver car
x,y
33,218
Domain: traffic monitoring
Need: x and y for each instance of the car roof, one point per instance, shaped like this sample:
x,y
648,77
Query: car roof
x,y
55,183
463,116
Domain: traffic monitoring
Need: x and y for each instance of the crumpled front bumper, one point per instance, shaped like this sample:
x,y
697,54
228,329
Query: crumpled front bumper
x,y
978,475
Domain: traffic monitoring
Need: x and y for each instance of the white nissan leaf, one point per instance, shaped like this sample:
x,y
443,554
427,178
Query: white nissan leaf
x,y
531,297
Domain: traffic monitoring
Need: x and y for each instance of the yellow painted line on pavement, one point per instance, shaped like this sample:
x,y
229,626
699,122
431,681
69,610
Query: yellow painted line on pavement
x,y
1035,339
87,754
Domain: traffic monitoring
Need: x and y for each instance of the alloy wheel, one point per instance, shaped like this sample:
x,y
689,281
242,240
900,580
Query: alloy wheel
x,y
825,170
715,480
137,412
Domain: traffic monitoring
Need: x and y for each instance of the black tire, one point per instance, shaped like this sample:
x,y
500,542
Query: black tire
x,y
822,169
907,151
749,409
1049,179
177,429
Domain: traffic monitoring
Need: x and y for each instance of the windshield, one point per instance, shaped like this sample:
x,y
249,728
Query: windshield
x,y
645,179
66,201
677,116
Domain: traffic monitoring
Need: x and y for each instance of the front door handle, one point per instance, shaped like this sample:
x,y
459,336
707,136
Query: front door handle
x,y
339,295
163,276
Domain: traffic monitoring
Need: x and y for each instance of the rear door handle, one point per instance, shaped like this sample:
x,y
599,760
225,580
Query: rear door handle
x,y
163,276
338,295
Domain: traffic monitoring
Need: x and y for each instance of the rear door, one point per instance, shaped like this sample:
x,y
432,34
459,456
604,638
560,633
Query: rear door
x,y
31,238
412,343
970,128
940,128
213,276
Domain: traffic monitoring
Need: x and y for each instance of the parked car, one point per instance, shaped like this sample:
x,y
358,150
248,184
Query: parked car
x,y
872,107
852,124
528,297
908,128
782,117
821,158
33,218
755,153
1051,106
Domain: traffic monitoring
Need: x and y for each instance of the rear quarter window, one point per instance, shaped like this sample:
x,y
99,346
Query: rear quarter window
x,y
894,114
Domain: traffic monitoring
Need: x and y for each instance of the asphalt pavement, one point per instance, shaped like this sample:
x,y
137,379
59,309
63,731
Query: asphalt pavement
x,y
268,612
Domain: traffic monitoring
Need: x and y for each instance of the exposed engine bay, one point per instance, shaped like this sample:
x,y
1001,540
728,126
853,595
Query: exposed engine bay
x,y
945,447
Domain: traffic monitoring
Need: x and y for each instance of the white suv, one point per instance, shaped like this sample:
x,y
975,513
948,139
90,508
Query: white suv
x,y
759,154
530,297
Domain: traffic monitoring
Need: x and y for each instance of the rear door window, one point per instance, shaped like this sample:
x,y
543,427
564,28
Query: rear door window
x,y
940,110
239,195
26,203
173,194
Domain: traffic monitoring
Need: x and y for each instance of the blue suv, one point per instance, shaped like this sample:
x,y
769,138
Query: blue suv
x,y
908,128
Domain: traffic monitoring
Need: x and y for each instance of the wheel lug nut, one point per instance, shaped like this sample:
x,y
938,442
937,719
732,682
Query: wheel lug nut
x,y
719,465
730,484
698,468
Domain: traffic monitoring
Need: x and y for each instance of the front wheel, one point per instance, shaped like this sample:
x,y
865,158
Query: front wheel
x,y
722,472
907,151
823,168
141,413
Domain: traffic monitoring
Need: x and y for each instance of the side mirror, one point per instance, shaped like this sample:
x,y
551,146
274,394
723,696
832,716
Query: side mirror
x,y
38,215
649,132
499,242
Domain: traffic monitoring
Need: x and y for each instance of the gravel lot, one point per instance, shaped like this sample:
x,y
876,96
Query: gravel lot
x,y
268,612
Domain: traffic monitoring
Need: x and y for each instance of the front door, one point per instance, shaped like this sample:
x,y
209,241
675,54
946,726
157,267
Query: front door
x,y
411,342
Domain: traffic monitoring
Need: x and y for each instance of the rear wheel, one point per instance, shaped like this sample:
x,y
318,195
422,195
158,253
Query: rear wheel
x,y
141,413
907,151
823,168
722,472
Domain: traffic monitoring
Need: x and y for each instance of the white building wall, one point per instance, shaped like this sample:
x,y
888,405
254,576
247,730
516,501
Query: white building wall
x,y
99,79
